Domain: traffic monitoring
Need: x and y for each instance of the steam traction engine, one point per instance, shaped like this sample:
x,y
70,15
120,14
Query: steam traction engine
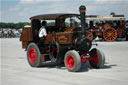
x,y
69,45
108,28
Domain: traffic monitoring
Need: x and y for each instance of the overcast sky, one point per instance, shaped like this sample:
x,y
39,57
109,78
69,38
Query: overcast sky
x,y
22,10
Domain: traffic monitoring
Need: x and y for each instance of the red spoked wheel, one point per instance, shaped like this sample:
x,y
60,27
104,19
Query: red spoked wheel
x,y
110,34
72,61
32,55
97,58
90,36
94,58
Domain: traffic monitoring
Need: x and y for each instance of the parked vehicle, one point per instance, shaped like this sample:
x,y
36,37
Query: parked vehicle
x,y
10,33
68,44
108,28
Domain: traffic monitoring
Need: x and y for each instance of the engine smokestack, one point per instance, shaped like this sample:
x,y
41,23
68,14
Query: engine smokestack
x,y
82,10
83,43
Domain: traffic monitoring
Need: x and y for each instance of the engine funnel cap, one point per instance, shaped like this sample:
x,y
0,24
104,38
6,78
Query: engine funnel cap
x,y
82,8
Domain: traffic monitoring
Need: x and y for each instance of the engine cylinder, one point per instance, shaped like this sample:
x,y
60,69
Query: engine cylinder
x,y
83,44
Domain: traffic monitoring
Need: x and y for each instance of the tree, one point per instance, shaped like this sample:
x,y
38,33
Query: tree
x,y
13,25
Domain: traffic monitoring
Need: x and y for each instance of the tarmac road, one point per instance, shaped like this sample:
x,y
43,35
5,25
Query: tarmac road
x,y
15,69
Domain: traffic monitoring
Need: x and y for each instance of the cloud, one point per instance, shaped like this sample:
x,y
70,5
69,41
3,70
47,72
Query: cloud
x,y
23,10
13,9
36,1
108,0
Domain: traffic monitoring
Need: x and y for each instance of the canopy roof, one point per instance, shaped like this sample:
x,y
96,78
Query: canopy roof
x,y
53,16
104,18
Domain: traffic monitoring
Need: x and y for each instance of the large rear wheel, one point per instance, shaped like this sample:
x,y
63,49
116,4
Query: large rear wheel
x,y
97,58
72,61
110,34
54,50
34,55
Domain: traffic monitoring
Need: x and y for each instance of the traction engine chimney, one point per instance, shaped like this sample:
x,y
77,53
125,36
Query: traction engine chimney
x,y
82,43
82,10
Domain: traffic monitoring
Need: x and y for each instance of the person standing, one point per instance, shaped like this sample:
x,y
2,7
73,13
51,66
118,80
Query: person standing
x,y
42,31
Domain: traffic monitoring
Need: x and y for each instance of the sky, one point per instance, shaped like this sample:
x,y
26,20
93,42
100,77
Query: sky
x,y
22,10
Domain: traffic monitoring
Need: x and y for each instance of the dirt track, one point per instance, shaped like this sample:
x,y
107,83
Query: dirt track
x,y
16,70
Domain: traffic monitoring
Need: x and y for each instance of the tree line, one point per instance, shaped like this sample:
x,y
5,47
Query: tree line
x,y
19,25
13,25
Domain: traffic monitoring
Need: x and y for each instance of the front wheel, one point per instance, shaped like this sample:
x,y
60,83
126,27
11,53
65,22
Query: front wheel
x,y
110,34
72,61
34,55
97,58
